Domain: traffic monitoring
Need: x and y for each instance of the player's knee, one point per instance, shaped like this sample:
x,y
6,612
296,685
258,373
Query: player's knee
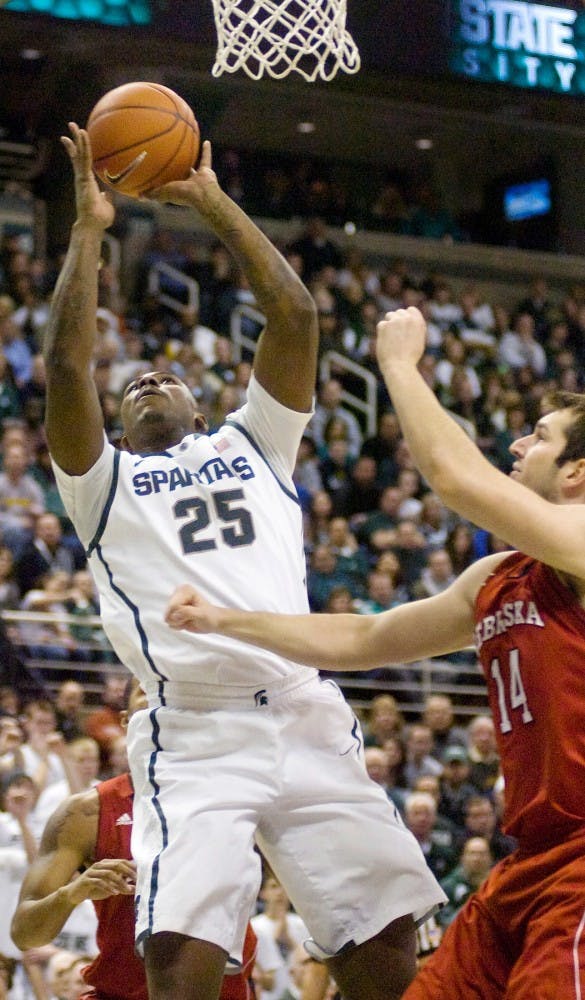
x,y
382,967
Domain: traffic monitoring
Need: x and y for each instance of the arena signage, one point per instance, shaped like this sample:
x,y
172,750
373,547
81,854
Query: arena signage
x,y
112,12
531,45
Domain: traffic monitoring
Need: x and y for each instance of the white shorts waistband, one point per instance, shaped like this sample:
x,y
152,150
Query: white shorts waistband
x,y
218,696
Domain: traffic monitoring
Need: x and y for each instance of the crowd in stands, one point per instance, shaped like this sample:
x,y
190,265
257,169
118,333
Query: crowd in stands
x,y
375,537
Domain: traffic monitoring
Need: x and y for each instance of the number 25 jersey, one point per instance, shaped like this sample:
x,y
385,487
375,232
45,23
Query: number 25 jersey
x,y
217,511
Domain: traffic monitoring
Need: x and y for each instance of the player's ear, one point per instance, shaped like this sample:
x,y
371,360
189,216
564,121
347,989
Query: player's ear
x,y
200,424
575,476
124,718
125,444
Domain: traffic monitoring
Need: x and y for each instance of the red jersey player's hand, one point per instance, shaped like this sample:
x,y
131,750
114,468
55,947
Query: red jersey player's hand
x,y
187,609
109,877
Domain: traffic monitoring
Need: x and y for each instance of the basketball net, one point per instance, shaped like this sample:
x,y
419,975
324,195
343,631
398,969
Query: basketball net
x,y
278,37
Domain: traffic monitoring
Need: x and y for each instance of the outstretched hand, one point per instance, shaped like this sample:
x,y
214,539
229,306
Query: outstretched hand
x,y
187,609
191,191
94,206
108,877
402,336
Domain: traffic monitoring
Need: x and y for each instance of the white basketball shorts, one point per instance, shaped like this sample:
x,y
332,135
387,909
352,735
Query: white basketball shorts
x,y
283,769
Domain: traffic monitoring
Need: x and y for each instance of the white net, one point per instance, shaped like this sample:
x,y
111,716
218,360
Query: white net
x,y
278,37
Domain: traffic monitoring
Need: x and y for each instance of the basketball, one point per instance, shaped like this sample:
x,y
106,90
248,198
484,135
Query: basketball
x,y
142,136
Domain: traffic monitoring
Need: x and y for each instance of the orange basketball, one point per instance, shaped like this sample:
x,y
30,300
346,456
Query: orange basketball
x,y
142,135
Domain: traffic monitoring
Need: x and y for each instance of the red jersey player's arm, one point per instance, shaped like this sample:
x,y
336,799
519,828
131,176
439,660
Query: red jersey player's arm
x,y
52,888
432,627
466,481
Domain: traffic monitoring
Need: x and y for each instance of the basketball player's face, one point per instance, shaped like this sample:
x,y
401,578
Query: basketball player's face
x,y
535,455
158,398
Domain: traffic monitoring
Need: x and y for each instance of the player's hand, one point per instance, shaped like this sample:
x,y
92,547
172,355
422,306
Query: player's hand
x,y
187,609
110,877
94,207
194,189
402,336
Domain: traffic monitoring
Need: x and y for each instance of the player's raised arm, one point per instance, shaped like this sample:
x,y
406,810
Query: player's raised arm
x,y
73,421
286,359
540,509
432,627
49,893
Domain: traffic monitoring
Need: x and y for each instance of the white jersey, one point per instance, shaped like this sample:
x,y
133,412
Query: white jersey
x,y
220,512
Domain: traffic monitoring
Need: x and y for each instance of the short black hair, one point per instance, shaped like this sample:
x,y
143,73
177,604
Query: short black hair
x,y
575,432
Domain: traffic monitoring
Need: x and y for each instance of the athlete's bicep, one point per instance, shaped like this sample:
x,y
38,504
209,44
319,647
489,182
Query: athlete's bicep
x,y
64,849
85,497
434,626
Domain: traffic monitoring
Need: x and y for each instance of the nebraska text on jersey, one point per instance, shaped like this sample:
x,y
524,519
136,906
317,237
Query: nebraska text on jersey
x,y
510,614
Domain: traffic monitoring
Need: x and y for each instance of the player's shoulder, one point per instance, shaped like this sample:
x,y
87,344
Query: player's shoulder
x,y
77,810
73,823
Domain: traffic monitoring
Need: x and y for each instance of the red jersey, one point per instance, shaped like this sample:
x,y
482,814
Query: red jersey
x,y
117,973
530,638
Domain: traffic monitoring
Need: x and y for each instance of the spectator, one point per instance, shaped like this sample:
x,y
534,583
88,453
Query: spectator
x,y
335,466
68,710
48,639
21,500
378,767
16,351
330,405
411,548
44,554
483,753
10,405
36,387
481,820
317,522
43,752
340,601
434,520
284,926
389,563
385,721
316,249
382,446
410,484
307,474
439,715
9,590
17,850
519,347
201,337
430,218
456,789
538,304
380,595
436,576
361,492
444,311
470,873
103,723
377,531
351,559
420,813
444,831
454,358
11,739
324,574
419,758
459,545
